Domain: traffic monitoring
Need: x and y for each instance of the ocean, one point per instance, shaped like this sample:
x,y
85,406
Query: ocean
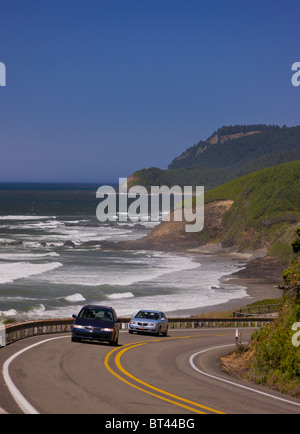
x,y
49,268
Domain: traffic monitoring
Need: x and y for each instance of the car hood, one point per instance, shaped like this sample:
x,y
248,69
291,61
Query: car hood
x,y
149,321
94,323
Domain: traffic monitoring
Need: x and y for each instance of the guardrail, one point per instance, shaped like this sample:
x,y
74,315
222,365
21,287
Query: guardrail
x,y
15,332
264,309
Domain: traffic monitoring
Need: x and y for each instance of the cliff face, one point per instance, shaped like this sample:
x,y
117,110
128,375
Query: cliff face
x,y
233,147
193,153
229,153
171,235
259,211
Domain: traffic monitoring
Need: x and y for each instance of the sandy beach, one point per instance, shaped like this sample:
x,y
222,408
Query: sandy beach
x,y
258,288
256,291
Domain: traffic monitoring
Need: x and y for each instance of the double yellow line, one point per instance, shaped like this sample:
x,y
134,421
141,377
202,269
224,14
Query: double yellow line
x,y
181,402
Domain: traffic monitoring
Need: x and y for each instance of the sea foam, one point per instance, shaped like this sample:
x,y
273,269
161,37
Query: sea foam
x,y
26,217
119,295
9,272
74,297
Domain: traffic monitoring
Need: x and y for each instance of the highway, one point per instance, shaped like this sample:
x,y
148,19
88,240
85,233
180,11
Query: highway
x,y
173,375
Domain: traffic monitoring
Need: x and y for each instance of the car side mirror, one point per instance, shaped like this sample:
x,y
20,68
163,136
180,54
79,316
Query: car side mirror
x,y
74,316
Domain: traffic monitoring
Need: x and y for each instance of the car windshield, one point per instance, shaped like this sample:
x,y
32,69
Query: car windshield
x,y
96,313
148,315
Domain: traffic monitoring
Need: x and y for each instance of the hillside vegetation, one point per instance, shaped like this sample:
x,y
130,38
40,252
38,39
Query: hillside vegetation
x,y
233,147
273,357
191,176
265,210
260,210
229,153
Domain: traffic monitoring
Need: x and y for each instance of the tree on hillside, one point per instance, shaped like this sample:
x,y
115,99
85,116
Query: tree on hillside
x,y
296,243
291,276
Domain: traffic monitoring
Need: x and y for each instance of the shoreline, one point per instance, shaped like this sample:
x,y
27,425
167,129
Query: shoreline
x,y
256,291
257,288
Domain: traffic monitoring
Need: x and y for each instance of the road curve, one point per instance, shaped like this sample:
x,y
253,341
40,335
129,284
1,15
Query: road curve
x,y
178,374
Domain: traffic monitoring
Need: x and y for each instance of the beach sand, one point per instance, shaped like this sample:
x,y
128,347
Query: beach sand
x,y
260,277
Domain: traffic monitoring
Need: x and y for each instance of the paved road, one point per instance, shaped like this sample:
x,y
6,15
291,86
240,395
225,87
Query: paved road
x,y
143,375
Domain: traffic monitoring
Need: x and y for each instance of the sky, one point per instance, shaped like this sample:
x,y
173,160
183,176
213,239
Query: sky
x,y
97,89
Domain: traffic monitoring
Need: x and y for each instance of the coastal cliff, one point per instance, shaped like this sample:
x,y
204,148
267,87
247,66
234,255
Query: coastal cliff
x,y
256,214
171,235
230,152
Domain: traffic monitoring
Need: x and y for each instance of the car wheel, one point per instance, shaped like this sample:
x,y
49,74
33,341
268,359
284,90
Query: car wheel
x,y
158,331
166,332
115,342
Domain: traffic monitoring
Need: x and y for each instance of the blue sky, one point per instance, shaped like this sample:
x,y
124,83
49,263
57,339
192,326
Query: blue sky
x,y
96,89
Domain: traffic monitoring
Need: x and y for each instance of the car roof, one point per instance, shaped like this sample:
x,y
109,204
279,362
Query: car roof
x,y
97,306
150,310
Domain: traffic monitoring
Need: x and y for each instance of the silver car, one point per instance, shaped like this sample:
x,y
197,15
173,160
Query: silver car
x,y
149,321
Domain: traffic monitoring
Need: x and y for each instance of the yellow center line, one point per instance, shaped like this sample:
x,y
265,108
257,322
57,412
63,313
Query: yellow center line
x,y
156,389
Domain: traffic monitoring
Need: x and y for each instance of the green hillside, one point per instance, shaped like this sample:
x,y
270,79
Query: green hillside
x,y
191,176
265,211
229,153
232,147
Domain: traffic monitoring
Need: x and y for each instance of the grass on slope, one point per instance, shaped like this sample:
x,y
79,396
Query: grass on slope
x,y
266,207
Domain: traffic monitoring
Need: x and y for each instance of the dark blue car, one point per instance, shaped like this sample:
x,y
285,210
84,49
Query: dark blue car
x,y
99,323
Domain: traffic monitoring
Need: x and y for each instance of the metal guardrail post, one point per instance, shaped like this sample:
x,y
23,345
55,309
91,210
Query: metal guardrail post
x,y
2,335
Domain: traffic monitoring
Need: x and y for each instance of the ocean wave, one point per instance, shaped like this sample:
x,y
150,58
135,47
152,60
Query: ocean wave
x,y
124,271
73,298
26,256
119,295
37,311
10,312
26,217
9,272
184,300
51,225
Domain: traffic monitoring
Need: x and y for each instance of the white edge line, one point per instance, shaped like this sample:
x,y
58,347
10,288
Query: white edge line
x,y
191,360
22,402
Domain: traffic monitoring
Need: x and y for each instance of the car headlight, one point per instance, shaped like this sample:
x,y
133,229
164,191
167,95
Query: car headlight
x,y
108,330
132,322
75,326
